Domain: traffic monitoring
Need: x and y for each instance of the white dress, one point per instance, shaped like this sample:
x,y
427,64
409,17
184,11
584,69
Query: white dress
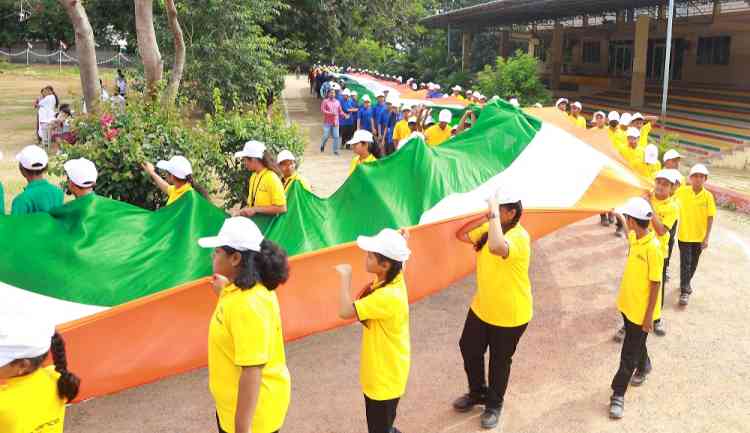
x,y
46,113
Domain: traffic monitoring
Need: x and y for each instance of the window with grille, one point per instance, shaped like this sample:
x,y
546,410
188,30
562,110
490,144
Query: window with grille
x,y
591,52
714,50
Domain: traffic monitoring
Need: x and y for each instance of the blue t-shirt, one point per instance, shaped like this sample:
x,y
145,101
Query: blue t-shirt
x,y
365,116
346,105
382,120
378,109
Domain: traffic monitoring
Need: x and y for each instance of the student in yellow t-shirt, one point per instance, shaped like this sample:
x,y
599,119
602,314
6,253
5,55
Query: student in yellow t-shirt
x,y
383,310
638,301
179,178
247,372
672,160
599,121
401,130
562,105
697,212
619,140
634,154
364,148
502,306
288,166
651,161
643,124
265,192
32,397
575,115
435,135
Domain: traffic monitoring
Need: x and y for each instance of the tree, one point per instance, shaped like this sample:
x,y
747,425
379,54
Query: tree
x,y
153,67
516,76
179,54
84,37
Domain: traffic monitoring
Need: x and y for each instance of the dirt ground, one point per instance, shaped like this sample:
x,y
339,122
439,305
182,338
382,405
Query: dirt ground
x,y
563,366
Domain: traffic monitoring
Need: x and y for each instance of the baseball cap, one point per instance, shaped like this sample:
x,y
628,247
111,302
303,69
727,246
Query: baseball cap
x,y
699,169
506,195
578,105
366,98
637,116
239,233
32,157
671,154
514,102
24,336
456,88
252,149
638,208
412,119
178,166
613,115
406,108
675,174
388,243
625,119
346,92
354,93
445,116
666,174
285,155
560,101
361,135
600,113
380,95
651,154
633,132
81,172
429,120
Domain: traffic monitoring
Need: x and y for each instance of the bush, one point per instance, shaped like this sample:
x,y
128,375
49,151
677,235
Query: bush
x,y
119,142
516,76
365,53
237,127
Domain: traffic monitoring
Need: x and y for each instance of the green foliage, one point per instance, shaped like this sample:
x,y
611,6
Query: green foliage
x,y
364,53
516,76
237,127
666,142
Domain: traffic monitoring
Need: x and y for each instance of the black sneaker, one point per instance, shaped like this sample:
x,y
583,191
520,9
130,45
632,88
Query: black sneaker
x,y
616,407
684,298
620,232
639,377
490,417
466,402
659,328
603,220
619,335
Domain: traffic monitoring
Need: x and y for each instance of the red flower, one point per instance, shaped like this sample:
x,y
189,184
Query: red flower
x,y
106,120
111,133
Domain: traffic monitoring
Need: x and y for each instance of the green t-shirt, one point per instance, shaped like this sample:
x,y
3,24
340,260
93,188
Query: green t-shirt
x,y
38,196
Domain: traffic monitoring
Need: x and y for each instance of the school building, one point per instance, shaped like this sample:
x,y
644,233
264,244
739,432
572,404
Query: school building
x,y
610,54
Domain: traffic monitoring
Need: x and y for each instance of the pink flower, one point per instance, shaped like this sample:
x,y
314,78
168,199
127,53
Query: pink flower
x,y
106,120
111,133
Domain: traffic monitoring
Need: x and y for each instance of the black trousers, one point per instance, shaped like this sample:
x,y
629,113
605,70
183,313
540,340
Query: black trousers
x,y
380,414
476,337
347,131
222,430
634,355
690,252
672,234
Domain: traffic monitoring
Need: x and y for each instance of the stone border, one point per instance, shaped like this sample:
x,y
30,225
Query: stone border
x,y
727,197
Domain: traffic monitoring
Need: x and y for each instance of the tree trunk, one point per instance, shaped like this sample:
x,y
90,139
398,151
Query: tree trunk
x,y
86,48
179,54
148,48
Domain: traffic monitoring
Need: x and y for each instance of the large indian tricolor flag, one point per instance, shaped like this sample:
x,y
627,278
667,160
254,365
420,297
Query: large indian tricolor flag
x,y
129,287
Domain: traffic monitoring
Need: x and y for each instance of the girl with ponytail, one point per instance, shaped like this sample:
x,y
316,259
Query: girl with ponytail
x,y
33,397
247,371
179,178
265,189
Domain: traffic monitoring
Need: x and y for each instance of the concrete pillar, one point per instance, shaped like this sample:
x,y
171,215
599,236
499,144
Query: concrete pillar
x,y
533,42
717,9
640,50
662,14
631,15
503,44
557,55
466,39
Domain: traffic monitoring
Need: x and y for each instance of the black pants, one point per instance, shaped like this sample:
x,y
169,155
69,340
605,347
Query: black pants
x,y
222,430
690,252
475,339
380,414
634,355
672,234
347,131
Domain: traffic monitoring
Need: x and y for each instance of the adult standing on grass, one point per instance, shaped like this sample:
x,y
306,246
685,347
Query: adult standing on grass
x,y
502,306
331,109
39,195
46,109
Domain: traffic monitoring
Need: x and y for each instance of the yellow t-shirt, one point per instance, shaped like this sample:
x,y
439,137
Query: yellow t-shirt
x,y
618,138
435,136
644,265
295,177
386,349
503,296
401,130
30,404
667,210
652,170
579,121
694,212
635,159
356,161
645,131
266,189
245,331
175,193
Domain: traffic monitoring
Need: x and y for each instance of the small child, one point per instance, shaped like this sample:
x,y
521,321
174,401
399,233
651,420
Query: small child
x,y
383,309
638,301
288,166
697,212
651,160
33,397
364,149
179,177
39,195
600,120
575,115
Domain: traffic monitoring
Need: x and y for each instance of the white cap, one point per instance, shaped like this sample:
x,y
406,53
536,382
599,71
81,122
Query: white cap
x,y
346,92
405,107
366,98
699,169
24,336
445,116
675,174
456,88
429,120
600,113
335,86
613,115
388,243
437,86
506,196
633,132
625,119
651,154
637,116
667,174
560,101
514,102
671,154
578,105
361,135
178,166
469,92
81,172
252,149
638,208
32,157
285,155
412,119
482,96
239,233
380,95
